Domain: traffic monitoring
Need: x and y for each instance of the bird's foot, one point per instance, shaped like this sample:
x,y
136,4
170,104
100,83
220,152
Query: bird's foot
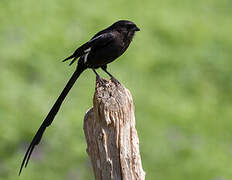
x,y
100,81
115,81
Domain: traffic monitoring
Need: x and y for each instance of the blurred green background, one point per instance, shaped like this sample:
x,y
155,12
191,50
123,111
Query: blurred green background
x,y
178,69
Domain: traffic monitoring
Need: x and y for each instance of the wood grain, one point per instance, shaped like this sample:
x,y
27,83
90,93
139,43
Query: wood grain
x,y
112,140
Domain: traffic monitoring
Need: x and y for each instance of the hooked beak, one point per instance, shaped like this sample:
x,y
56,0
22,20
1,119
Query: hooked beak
x,y
136,28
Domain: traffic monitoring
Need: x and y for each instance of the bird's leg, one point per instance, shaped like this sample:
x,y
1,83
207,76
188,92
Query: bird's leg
x,y
104,68
98,78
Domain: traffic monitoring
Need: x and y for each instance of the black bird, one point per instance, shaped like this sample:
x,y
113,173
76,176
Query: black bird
x,y
103,48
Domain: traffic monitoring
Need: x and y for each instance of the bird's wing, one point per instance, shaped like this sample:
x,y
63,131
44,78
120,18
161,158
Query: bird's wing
x,y
100,40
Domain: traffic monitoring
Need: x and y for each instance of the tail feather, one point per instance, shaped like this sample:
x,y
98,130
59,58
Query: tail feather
x,y
72,61
70,57
51,115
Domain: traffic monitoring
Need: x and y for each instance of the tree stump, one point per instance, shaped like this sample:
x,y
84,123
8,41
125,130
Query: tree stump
x,y
112,140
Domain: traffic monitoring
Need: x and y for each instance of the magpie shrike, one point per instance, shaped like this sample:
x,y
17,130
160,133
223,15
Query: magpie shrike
x,y
103,48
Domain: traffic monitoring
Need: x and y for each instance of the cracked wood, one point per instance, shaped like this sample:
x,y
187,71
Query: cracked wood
x,y
112,140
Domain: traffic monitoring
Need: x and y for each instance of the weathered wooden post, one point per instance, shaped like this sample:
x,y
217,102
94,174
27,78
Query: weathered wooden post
x,y
112,140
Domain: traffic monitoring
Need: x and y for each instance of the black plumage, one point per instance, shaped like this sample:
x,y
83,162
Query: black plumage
x,y
103,48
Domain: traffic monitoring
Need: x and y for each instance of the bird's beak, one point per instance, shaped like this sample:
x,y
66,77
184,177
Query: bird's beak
x,y
136,28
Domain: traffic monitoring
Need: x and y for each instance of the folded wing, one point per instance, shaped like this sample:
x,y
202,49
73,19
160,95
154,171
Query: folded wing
x,y
100,40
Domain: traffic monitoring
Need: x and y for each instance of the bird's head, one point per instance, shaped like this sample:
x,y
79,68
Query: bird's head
x,y
126,27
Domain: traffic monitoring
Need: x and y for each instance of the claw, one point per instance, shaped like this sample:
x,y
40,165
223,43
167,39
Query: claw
x,y
100,81
115,81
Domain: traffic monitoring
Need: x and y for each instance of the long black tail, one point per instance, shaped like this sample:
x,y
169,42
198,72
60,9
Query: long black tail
x,y
51,115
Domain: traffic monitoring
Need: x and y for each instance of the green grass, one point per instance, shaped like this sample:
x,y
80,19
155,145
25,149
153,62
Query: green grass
x,y
178,69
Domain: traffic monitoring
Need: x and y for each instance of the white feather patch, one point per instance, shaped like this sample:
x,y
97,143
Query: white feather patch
x,y
86,55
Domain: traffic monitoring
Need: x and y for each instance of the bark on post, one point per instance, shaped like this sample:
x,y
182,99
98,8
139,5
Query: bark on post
x,y
112,140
